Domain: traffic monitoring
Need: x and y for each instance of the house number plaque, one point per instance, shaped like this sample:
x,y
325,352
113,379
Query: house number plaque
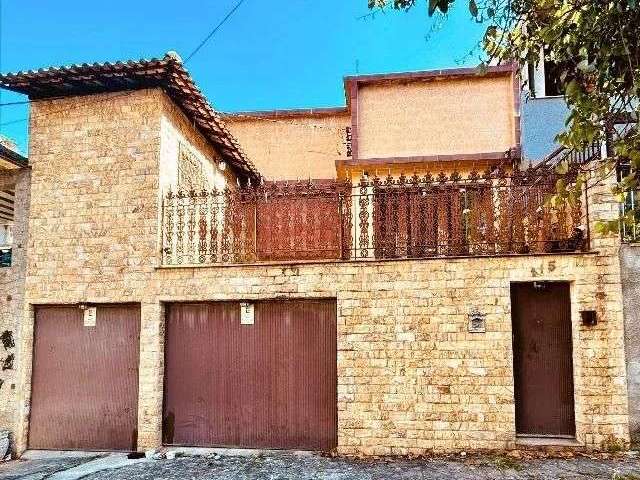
x,y
247,313
89,317
477,322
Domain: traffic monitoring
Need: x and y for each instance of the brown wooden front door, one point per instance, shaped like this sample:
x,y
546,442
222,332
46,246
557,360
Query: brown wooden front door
x,y
271,384
542,358
85,379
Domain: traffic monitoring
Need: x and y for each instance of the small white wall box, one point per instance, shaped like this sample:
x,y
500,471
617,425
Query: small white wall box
x,y
247,313
89,316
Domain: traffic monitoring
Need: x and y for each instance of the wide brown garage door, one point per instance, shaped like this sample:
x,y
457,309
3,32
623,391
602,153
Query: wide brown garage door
x,y
270,384
85,379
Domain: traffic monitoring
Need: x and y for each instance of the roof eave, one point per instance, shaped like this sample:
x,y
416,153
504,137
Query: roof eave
x,y
426,75
13,157
167,73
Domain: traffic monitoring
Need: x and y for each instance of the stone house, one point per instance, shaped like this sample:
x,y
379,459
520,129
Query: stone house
x,y
14,198
544,112
180,288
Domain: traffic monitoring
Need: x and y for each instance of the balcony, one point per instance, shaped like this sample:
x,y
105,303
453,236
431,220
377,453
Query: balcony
x,y
483,214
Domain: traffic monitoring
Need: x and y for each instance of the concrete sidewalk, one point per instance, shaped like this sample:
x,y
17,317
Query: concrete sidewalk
x,y
284,465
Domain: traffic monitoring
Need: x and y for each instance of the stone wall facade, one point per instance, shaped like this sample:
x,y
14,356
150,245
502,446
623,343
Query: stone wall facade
x,y
411,378
630,264
12,298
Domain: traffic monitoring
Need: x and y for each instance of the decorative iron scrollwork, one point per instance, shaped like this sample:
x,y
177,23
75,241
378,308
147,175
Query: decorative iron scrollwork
x,y
489,213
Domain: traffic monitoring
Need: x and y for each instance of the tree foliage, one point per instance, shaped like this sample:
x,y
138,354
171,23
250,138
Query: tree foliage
x,y
595,45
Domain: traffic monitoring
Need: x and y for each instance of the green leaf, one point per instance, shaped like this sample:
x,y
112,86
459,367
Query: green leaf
x,y
585,66
572,89
562,168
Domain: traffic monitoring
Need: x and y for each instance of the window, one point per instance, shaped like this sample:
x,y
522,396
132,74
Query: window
x,y
544,78
552,83
6,241
630,210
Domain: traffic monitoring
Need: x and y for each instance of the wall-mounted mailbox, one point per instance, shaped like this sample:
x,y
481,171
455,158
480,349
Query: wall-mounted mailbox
x,y
477,321
589,318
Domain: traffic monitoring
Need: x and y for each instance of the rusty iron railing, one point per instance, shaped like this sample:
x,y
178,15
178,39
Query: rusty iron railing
x,y
574,157
493,213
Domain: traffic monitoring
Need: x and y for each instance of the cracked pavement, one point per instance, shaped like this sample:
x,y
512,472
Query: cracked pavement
x,y
308,466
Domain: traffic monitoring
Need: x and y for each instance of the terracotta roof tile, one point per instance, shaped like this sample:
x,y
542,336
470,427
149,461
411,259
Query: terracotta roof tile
x,y
167,73
13,156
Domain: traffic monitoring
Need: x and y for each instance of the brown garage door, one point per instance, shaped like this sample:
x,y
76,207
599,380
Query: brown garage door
x,y
267,385
542,359
85,379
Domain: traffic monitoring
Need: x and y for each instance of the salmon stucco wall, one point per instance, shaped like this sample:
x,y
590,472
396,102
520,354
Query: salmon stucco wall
x,y
295,146
411,378
436,117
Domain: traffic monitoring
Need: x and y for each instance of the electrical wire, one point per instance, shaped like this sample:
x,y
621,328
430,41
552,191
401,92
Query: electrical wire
x,y
191,55
215,29
69,108
9,104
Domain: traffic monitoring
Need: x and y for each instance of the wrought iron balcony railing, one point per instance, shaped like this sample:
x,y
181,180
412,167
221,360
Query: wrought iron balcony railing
x,y
493,213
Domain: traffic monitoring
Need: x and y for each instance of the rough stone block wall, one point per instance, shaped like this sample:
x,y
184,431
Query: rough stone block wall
x,y
93,221
11,299
630,264
411,378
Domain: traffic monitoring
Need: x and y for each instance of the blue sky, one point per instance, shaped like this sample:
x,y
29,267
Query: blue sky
x,y
270,54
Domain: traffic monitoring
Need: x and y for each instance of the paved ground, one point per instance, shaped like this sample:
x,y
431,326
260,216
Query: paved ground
x,y
41,468
288,466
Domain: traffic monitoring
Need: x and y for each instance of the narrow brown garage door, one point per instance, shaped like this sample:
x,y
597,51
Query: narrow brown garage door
x,y
542,359
271,384
85,379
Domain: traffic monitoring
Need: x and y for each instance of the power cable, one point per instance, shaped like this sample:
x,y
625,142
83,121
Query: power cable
x,y
213,32
9,104
191,55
